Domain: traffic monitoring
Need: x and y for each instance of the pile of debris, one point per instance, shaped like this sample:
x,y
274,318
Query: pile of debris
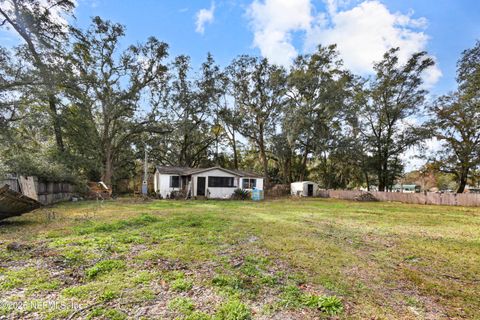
x,y
365,197
278,190
99,191
13,203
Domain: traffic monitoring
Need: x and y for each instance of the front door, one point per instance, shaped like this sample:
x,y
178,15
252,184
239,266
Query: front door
x,y
310,190
200,186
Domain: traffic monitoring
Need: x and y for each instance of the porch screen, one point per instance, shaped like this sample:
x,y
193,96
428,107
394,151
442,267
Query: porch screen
x,y
174,182
221,182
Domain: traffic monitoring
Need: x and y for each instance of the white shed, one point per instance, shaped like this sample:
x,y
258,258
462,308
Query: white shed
x,y
304,189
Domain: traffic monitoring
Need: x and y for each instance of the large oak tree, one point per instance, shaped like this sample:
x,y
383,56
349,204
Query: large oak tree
x,y
388,105
456,120
259,92
42,27
113,89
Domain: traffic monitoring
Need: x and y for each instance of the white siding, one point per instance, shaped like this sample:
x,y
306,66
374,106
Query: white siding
x,y
220,193
301,188
259,183
215,193
162,185
155,183
296,188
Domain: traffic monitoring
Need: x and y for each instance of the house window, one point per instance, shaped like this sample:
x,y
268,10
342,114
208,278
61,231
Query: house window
x,y
249,183
221,182
174,182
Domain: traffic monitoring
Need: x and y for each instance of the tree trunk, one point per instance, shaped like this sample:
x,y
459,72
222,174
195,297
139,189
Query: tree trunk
x,y
108,167
383,176
381,187
367,180
234,147
381,180
57,128
263,157
182,159
463,181
287,170
216,151
303,173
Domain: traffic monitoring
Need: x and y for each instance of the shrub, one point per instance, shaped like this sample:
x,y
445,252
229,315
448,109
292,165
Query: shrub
x,y
241,194
177,195
331,305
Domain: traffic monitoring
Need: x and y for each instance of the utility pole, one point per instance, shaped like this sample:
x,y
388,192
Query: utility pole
x,y
145,174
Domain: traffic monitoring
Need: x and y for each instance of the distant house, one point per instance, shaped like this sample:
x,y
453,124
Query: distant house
x,y
214,182
406,188
472,189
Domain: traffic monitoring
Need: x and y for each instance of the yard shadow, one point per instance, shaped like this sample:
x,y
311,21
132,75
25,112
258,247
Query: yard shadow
x,y
16,223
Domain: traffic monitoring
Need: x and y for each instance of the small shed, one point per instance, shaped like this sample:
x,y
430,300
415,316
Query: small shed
x,y
304,189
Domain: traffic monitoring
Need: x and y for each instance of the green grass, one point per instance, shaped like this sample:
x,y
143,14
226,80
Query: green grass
x,y
243,260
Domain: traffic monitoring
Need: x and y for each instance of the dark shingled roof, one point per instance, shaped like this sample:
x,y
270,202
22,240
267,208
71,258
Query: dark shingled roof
x,y
185,171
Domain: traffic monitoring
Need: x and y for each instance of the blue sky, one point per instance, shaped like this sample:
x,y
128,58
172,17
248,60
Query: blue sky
x,y
279,29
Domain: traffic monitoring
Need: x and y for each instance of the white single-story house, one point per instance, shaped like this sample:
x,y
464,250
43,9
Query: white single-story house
x,y
304,189
214,182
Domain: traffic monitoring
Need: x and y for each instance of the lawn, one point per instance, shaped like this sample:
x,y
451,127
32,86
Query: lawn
x,y
279,259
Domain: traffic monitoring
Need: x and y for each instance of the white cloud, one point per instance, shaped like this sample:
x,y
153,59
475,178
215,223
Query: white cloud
x,y
273,22
204,16
363,32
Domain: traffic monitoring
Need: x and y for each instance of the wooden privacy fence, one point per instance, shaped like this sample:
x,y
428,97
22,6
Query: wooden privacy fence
x,y
446,199
46,192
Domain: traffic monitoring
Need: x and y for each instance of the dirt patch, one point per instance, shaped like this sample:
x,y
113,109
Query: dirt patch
x,y
17,246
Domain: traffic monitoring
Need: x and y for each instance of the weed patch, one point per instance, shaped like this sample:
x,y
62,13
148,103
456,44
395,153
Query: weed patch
x,y
181,285
106,313
233,310
98,227
294,298
104,267
182,305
